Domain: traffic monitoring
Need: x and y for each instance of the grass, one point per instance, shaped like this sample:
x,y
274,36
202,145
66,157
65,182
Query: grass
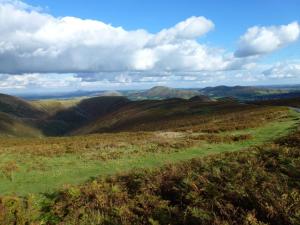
x,y
37,174
258,186
11,126
52,106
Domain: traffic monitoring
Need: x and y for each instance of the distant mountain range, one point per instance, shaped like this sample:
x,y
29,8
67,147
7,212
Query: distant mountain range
x,y
252,93
243,93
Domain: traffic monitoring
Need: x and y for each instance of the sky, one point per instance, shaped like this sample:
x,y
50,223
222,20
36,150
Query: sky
x,y
61,46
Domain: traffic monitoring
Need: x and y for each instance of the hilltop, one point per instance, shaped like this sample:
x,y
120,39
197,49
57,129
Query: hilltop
x,y
161,92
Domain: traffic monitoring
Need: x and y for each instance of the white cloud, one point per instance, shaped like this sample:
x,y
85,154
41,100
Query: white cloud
x,y
263,40
288,71
36,42
189,29
36,80
38,50
281,70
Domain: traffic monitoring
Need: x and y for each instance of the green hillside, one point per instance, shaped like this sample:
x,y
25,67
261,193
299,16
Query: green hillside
x,y
19,107
86,111
240,92
52,117
161,92
166,115
186,179
52,106
11,126
127,159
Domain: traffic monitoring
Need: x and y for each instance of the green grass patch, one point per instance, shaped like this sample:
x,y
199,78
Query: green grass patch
x,y
40,174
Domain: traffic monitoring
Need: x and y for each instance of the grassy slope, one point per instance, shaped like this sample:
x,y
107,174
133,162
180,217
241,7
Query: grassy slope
x,y
16,127
69,169
161,92
51,117
19,107
259,186
87,111
18,117
52,106
151,115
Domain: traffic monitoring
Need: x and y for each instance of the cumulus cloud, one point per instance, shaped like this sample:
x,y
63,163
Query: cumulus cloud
x,y
191,28
262,40
35,42
290,69
40,50
36,80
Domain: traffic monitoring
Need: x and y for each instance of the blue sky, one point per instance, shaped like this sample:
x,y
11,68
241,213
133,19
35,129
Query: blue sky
x,y
225,24
231,17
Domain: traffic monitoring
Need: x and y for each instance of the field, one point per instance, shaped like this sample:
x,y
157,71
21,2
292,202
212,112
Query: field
x,y
41,175
41,165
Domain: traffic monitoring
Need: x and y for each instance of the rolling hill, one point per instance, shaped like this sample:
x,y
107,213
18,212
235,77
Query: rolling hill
x,y
241,92
19,118
57,117
161,115
52,106
197,163
109,93
82,113
52,117
19,107
11,126
172,161
111,114
161,92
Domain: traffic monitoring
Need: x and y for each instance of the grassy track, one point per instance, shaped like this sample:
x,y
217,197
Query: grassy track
x,y
70,169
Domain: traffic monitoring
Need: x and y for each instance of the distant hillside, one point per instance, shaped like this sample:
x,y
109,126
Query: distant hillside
x,y
113,113
280,96
149,115
52,106
228,99
109,93
85,111
292,102
161,92
19,117
19,107
53,117
241,92
11,126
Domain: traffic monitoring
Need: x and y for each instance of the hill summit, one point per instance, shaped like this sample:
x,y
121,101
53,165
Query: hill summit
x,y
162,92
